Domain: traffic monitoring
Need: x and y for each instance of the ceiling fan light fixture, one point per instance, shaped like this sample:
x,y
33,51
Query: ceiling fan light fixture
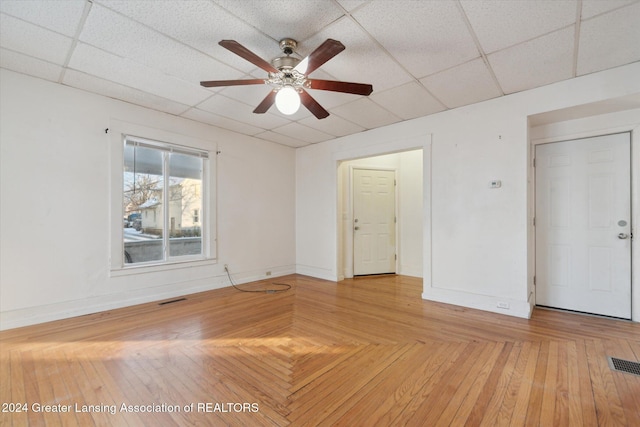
x,y
287,100
288,75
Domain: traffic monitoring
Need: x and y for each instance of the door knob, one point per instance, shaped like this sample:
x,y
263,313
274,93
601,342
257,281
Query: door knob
x,y
623,236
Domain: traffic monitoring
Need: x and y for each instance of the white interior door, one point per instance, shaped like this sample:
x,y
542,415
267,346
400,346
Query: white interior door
x,y
374,228
583,225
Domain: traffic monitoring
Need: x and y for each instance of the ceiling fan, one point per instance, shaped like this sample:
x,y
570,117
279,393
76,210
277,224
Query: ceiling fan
x,y
289,77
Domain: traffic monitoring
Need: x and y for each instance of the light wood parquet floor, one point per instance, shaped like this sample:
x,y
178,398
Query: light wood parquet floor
x,y
363,352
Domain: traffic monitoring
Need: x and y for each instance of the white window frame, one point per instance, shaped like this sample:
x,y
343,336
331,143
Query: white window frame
x,y
117,134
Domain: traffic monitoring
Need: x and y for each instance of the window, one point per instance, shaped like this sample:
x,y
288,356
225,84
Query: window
x,y
162,202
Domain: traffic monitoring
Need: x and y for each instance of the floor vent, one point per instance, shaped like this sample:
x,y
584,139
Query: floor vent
x,y
172,301
622,365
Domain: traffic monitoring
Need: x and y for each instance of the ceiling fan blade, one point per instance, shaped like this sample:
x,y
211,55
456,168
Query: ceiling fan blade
x,y
322,54
245,53
266,103
218,83
312,105
336,86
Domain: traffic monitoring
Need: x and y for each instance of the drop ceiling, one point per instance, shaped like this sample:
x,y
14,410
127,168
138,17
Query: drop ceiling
x,y
421,57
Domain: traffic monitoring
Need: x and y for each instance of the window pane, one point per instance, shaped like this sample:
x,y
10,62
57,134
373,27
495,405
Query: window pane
x,y
185,206
143,204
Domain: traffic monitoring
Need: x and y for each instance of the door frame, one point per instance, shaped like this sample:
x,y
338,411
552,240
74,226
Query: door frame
x,y
349,242
631,212
634,130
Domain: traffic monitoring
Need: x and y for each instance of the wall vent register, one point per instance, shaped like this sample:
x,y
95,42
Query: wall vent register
x,y
626,366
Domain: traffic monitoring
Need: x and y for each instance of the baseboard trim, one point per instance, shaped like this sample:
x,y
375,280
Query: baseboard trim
x,y
95,304
319,273
494,304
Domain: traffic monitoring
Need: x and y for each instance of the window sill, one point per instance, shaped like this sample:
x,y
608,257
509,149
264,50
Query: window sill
x,y
165,266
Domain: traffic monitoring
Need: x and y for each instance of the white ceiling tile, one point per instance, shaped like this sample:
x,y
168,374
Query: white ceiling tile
x,y
591,8
499,24
298,115
303,133
281,139
462,85
241,112
116,34
333,125
60,16
201,24
329,99
28,65
32,40
251,94
366,113
123,71
221,122
538,62
285,18
425,37
362,61
350,5
124,93
609,40
408,101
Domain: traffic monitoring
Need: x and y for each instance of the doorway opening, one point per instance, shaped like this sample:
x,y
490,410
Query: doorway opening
x,y
388,234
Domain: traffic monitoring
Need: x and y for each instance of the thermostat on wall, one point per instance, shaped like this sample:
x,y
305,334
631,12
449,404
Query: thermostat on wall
x,y
496,183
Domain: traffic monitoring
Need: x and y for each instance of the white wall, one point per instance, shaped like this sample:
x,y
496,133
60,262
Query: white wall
x,y
55,206
477,239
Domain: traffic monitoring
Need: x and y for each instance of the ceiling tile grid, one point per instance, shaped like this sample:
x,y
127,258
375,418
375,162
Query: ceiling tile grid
x,y
32,40
537,62
463,84
108,66
363,60
420,56
425,37
197,24
60,16
408,101
499,24
29,65
223,122
619,28
333,125
366,113
284,18
129,94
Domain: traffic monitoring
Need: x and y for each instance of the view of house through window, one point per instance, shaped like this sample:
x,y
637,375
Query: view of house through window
x,y
162,201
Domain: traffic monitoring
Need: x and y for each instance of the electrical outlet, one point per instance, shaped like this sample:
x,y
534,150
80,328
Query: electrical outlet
x,y
504,305
268,273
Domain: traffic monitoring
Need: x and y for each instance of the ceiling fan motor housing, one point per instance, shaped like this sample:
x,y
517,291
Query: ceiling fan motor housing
x,y
286,63
288,46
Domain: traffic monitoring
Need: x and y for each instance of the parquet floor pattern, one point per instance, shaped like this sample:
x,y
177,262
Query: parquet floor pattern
x,y
363,352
